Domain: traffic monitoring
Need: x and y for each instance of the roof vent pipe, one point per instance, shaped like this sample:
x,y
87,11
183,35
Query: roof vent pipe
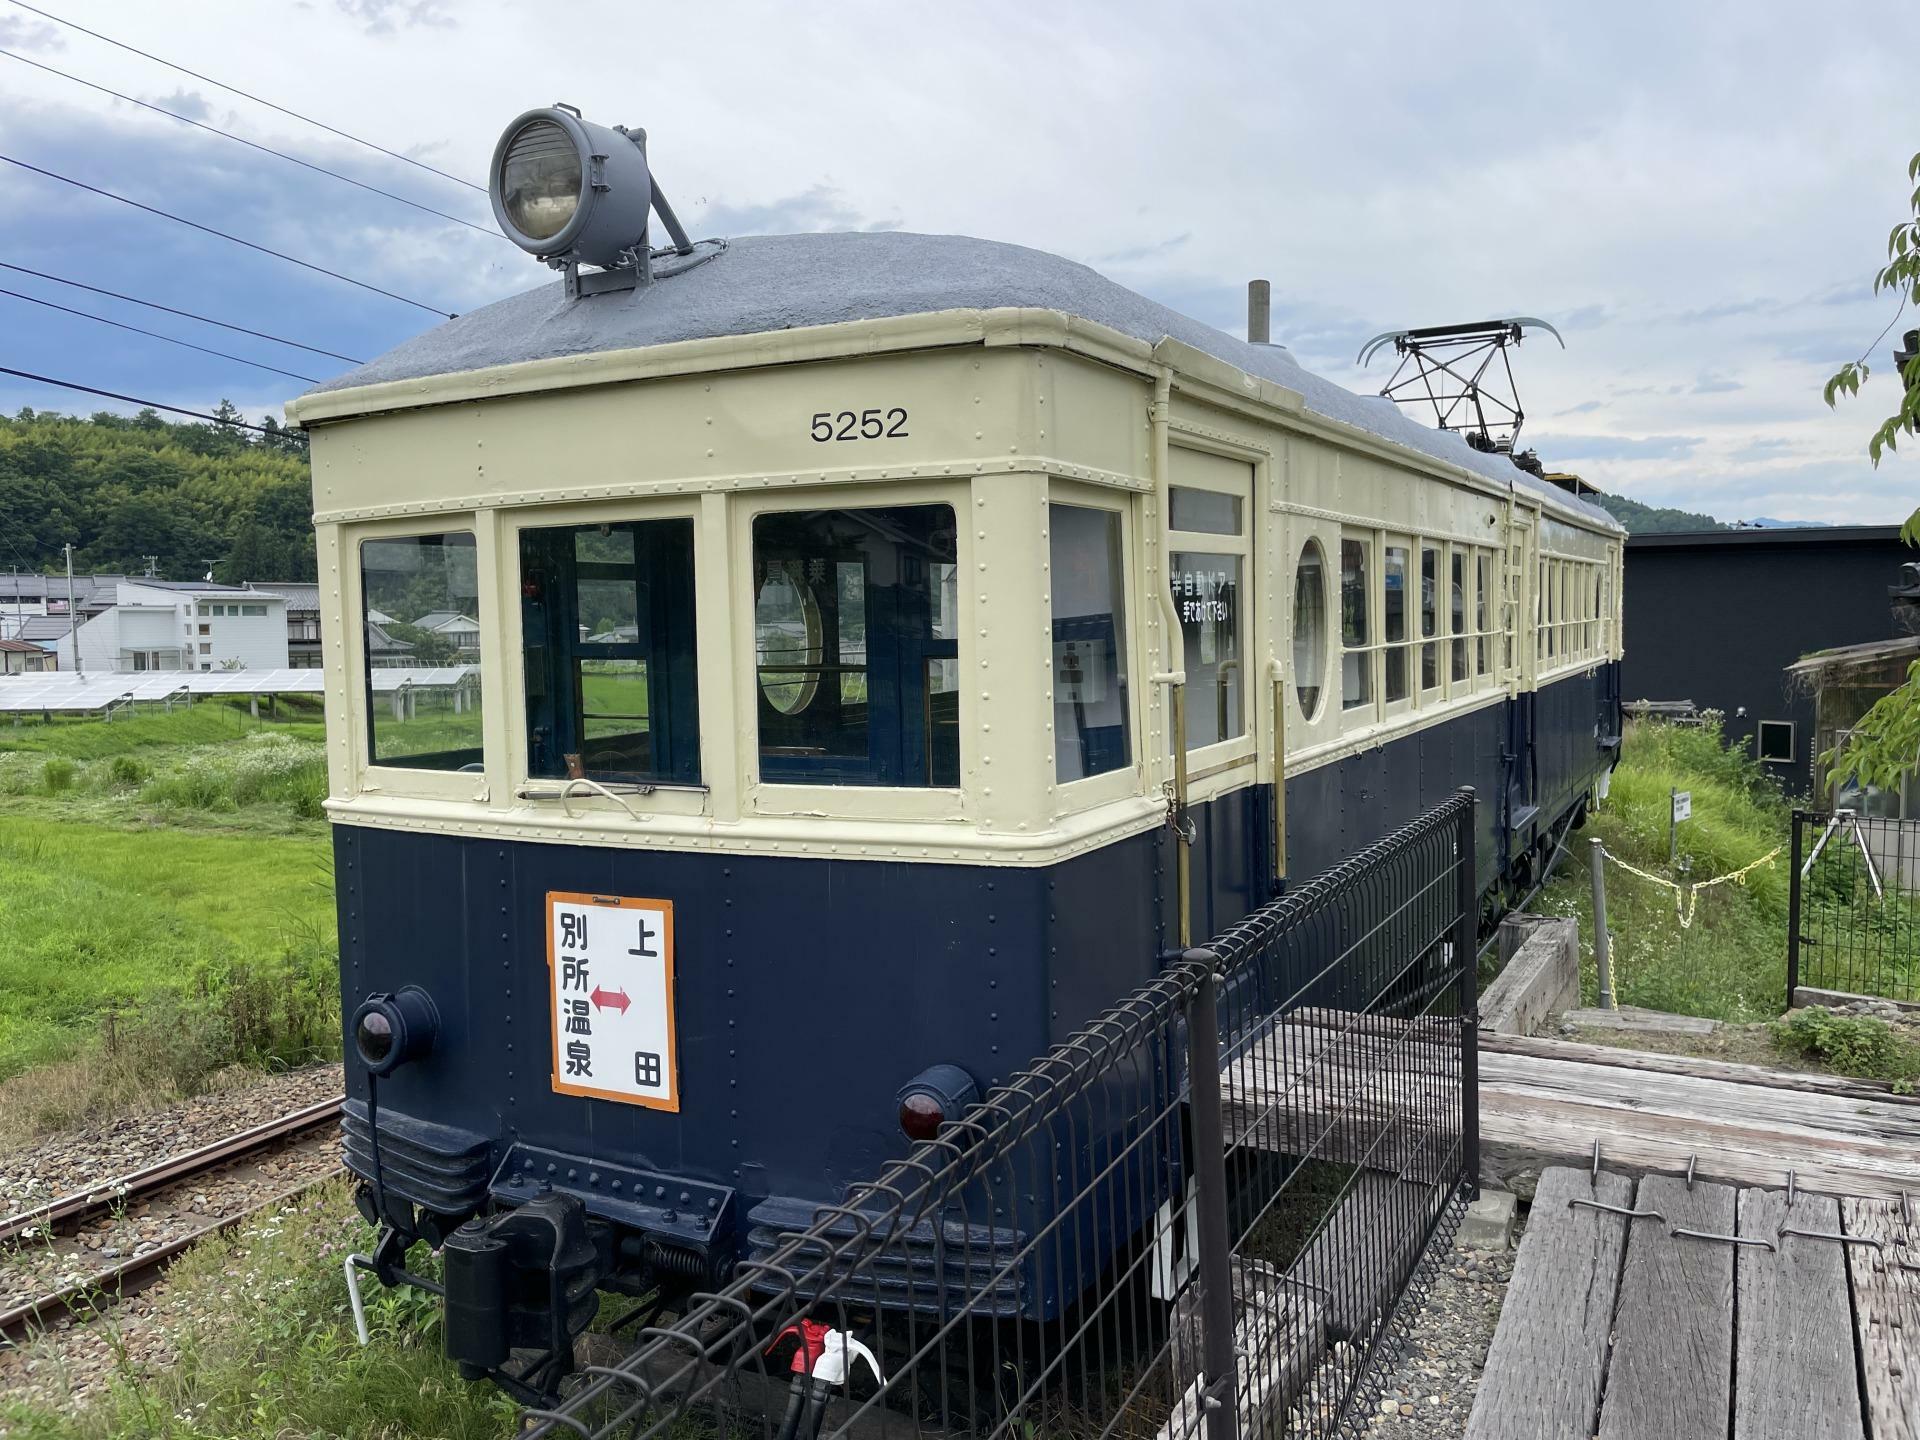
x,y
1259,312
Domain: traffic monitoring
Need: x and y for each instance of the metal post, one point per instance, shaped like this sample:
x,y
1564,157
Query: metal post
x,y
73,617
1673,828
1177,697
1793,909
1259,312
1279,779
1466,936
1210,1204
1602,942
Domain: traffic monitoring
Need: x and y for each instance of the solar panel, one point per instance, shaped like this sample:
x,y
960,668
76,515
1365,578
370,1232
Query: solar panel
x,y
67,693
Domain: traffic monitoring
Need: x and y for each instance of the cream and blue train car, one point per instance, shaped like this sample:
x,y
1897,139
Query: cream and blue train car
x,y
825,601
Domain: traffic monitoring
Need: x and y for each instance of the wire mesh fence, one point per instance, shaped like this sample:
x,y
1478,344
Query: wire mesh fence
x,y
1853,921
1202,1214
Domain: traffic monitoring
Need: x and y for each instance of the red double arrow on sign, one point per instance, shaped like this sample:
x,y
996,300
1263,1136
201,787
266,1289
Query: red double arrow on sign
x,y
610,1000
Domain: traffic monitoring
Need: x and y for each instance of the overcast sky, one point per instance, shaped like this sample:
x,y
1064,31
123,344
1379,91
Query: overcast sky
x,y
1696,195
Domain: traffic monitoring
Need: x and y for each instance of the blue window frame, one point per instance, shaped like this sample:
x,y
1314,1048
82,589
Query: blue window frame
x,y
856,646
607,624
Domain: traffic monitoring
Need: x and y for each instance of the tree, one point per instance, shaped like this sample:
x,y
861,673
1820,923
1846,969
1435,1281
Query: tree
x,y
1885,745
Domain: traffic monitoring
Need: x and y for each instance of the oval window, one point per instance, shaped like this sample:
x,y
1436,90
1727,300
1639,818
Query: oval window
x,y
1310,627
786,636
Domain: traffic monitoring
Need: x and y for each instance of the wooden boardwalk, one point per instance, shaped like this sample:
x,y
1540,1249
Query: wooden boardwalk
x,y
1761,1325
1360,1089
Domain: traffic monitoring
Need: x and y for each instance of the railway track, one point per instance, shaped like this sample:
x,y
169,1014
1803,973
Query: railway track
x,y
130,1275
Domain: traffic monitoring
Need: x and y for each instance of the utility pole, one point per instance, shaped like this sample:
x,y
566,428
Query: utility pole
x,y
73,616
152,562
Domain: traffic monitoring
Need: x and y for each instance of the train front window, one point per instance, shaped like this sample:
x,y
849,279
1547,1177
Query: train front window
x,y
607,622
419,599
856,646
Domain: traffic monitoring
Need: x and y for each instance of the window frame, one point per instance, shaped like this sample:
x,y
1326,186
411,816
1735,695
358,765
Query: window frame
x,y
1433,621
760,796
1206,759
1367,711
377,779
1760,744
1123,782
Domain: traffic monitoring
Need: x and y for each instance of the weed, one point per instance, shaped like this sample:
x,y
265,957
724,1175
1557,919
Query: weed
x,y
127,770
264,1345
57,774
1852,1044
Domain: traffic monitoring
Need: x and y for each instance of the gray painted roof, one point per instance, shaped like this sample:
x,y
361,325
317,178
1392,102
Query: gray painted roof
x,y
778,282
300,595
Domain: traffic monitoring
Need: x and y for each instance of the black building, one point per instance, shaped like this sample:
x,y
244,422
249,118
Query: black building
x,y
1716,616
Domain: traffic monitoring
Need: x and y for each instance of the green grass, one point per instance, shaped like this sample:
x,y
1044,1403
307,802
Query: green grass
x,y
266,1348
1730,964
166,911
207,723
94,919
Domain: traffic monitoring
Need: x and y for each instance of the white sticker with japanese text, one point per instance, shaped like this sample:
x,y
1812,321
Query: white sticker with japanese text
x,y
611,959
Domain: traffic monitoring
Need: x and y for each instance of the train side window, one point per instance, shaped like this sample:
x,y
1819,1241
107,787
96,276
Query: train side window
x,y
1091,725
1457,612
607,625
1356,659
1393,615
856,646
1208,563
1429,616
419,596
1483,612
1310,628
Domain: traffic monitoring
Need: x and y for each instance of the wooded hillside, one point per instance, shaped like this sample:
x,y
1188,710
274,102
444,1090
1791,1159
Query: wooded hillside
x,y
123,488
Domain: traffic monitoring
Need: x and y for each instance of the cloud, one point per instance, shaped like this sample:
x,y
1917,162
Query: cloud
x,y
1615,447
1767,449
1716,385
190,103
1585,407
820,207
385,17
19,32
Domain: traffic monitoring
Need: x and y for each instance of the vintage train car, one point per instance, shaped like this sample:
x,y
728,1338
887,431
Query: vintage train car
x,y
827,599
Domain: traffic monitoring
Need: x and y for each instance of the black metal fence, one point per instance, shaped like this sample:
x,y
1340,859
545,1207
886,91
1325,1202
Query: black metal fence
x,y
1208,1212
1853,921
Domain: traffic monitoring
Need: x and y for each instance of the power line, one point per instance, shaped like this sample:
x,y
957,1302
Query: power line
x,y
184,314
155,334
251,144
258,100
136,400
235,239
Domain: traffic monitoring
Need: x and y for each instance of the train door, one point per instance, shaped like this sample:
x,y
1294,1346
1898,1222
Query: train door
x,y
1520,793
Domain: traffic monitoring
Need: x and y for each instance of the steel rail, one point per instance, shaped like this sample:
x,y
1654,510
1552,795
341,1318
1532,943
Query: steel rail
x,y
132,1275
70,1209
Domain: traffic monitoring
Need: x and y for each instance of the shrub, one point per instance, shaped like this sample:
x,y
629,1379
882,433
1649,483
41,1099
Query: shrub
x,y
127,770
1852,1044
57,774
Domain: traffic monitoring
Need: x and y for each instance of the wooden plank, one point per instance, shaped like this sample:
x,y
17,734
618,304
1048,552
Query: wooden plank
x,y
1356,1265
1366,1095
1543,1112
1542,977
1886,1314
1794,1375
1672,1368
1542,1380
1634,1020
1370,1093
1278,1340
1813,1082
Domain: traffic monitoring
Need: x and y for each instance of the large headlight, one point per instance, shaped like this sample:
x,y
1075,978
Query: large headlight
x,y
540,179
566,189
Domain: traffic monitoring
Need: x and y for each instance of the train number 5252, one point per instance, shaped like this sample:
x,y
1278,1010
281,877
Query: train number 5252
x,y
867,425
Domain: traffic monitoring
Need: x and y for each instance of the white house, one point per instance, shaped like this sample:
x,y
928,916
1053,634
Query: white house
x,y
182,625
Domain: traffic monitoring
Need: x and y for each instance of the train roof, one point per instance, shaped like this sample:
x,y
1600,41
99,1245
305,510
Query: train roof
x,y
768,283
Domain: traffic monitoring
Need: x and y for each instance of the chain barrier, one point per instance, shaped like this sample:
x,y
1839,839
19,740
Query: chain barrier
x,y
1687,897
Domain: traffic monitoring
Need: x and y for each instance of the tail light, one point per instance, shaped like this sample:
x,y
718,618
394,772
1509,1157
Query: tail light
x,y
938,1094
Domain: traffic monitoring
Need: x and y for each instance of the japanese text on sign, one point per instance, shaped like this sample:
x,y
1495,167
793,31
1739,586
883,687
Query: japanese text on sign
x,y
612,969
